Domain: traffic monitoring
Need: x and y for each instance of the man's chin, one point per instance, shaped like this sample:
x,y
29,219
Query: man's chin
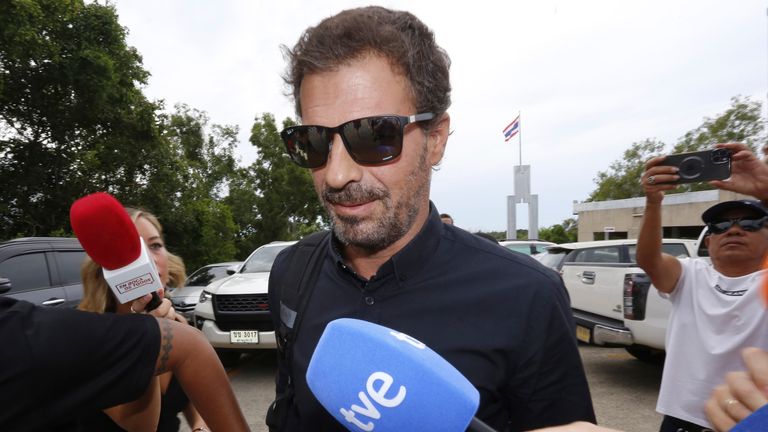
x,y
359,236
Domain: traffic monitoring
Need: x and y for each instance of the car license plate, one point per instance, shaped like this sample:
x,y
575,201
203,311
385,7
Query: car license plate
x,y
244,336
582,334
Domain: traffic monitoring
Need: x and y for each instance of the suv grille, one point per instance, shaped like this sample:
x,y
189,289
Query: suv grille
x,y
242,312
242,303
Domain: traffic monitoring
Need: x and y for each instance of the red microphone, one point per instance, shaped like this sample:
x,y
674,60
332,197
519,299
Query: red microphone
x,y
110,238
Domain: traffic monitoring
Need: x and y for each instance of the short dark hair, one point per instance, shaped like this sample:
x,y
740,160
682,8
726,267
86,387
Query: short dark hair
x,y
397,36
445,215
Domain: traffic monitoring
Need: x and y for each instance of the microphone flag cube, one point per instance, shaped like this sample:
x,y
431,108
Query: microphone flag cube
x,y
370,377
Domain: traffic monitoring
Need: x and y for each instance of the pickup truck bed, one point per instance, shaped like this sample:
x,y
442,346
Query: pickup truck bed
x,y
613,301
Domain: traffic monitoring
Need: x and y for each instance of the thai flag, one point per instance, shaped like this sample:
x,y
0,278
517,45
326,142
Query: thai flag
x,y
512,129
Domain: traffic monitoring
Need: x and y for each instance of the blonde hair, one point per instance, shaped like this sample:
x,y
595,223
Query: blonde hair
x,y
97,297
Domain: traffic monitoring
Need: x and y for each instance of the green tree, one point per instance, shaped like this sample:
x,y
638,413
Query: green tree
x,y
188,188
70,107
622,180
284,205
565,232
741,122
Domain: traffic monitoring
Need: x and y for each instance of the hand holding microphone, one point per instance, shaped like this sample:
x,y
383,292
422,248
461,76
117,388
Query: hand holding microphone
x,y
370,377
110,238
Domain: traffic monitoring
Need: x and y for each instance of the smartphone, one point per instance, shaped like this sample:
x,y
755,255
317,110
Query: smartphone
x,y
701,166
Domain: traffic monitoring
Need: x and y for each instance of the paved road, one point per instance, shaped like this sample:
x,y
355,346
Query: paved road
x,y
623,389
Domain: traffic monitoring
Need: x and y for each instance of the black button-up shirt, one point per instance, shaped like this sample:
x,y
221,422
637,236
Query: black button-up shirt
x,y
499,317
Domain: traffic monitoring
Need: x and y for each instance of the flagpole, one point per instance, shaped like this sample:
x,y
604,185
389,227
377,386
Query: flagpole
x,y
520,136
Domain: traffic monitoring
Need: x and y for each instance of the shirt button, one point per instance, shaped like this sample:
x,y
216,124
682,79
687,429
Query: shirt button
x,y
369,301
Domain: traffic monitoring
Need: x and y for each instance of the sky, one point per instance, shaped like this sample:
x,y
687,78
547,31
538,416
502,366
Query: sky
x,y
588,77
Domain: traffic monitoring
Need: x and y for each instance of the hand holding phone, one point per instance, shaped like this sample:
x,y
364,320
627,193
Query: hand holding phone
x,y
700,166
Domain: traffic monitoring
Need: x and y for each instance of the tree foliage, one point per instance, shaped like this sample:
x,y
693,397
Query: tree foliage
x,y
565,232
741,122
285,206
622,180
69,98
74,120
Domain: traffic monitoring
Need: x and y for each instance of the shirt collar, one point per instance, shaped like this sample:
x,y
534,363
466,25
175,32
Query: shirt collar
x,y
407,262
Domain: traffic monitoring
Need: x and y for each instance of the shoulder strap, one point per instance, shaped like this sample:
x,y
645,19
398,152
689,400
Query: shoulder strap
x,y
303,270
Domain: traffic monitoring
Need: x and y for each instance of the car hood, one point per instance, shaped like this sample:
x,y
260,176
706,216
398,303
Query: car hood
x,y
187,291
241,283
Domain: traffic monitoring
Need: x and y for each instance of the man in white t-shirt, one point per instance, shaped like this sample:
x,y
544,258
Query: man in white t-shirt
x,y
716,309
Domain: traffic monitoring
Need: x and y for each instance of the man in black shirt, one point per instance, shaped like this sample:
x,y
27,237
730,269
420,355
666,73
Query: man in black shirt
x,y
60,363
372,89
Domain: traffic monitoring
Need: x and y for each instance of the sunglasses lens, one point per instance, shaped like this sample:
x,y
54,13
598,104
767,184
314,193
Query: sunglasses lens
x,y
307,145
720,227
751,224
373,140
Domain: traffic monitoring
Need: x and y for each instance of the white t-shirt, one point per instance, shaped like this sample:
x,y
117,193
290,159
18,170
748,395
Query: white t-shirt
x,y
713,318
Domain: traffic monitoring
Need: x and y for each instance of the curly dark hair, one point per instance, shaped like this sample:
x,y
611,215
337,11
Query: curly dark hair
x,y
397,36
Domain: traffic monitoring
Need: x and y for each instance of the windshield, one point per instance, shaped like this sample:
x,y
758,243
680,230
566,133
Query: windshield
x,y
261,260
206,275
551,258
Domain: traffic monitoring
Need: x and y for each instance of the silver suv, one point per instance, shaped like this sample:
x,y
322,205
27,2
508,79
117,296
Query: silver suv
x,y
184,299
233,312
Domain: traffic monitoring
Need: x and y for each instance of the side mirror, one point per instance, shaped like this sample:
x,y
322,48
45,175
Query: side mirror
x,y
5,285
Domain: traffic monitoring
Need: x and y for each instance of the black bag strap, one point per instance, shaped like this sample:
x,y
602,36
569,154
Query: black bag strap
x,y
304,264
303,271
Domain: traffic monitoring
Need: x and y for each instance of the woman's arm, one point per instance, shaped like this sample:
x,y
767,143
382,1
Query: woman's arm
x,y
142,414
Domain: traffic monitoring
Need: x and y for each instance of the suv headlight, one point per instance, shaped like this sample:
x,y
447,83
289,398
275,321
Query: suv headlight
x,y
205,296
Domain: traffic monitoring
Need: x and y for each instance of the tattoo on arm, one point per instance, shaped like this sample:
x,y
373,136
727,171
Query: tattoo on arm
x,y
166,347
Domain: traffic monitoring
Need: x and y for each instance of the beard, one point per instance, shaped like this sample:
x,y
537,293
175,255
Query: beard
x,y
391,222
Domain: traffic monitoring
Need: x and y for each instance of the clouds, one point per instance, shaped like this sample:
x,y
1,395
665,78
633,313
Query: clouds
x,y
590,78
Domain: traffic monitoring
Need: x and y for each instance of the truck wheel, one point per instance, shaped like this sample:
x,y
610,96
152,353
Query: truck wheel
x,y
228,358
647,355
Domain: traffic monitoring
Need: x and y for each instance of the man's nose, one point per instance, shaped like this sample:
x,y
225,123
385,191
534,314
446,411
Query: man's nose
x,y
341,169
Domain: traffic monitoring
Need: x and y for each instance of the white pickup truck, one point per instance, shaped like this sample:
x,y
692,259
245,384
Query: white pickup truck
x,y
612,299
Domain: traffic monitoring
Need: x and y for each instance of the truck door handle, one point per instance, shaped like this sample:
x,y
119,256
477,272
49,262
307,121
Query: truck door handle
x,y
53,302
587,277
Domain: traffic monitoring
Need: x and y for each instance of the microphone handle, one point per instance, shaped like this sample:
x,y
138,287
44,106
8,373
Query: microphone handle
x,y
477,425
154,303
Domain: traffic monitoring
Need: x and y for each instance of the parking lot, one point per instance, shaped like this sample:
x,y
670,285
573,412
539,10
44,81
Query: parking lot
x,y
624,390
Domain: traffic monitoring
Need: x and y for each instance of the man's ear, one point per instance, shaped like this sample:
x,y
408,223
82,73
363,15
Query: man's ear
x,y
437,139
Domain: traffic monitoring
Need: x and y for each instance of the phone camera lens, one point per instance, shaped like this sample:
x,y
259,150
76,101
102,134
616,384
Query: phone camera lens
x,y
721,156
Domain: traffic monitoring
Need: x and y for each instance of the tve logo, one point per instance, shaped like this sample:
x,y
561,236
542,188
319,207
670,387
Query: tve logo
x,y
377,387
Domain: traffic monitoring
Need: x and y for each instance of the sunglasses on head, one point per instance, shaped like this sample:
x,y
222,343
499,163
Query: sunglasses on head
x,y
369,141
750,225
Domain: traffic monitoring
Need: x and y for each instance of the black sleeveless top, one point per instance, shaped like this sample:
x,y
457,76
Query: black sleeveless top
x,y
172,403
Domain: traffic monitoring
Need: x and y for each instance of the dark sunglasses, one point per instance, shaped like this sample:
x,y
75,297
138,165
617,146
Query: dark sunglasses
x,y
750,225
369,141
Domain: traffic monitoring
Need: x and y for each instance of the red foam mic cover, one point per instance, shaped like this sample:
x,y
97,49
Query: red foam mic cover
x,y
105,230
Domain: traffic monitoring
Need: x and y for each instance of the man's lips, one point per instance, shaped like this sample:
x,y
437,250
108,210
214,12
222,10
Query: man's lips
x,y
732,242
351,208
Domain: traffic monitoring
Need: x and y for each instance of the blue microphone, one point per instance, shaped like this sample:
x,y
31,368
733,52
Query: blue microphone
x,y
370,377
755,422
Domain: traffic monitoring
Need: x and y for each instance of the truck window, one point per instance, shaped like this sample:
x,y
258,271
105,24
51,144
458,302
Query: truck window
x,y
26,272
69,266
607,254
675,249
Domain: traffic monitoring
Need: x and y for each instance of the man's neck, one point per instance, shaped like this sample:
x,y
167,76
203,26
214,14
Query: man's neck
x,y
366,263
736,269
